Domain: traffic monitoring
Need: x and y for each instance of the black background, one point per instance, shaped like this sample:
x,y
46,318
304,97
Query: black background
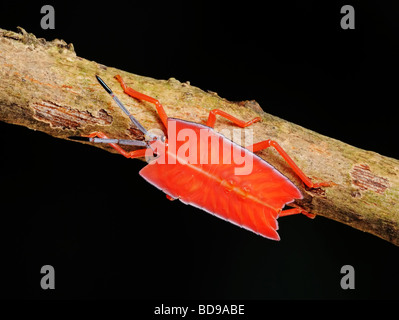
x,y
109,234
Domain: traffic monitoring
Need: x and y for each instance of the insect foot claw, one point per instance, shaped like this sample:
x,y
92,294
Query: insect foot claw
x,y
170,198
322,184
297,210
309,215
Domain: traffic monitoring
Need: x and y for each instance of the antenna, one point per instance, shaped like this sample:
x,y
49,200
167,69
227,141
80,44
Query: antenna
x,y
120,105
117,141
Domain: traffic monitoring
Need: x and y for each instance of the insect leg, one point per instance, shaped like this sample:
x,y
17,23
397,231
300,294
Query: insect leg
x,y
170,198
271,143
240,123
289,212
135,94
132,154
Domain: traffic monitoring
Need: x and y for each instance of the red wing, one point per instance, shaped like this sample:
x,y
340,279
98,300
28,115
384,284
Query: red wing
x,y
251,201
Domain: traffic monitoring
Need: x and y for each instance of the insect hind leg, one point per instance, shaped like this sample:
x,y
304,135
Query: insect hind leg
x,y
289,212
271,143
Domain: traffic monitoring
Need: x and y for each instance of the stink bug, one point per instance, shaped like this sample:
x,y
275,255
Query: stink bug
x,y
253,201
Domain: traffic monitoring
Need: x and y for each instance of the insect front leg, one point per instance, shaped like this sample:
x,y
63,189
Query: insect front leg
x,y
271,143
138,95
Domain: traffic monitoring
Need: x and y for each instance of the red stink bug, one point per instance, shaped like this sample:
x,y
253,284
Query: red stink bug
x,y
253,201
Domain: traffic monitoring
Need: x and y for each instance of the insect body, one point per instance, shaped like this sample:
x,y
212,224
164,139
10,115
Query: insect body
x,y
253,201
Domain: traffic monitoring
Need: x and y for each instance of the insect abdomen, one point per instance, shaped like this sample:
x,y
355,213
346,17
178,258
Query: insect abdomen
x,y
252,201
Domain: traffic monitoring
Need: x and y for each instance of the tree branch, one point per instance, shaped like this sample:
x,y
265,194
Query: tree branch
x,y
45,86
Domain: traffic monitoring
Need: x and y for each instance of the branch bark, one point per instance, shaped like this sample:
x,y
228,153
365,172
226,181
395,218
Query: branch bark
x,y
44,86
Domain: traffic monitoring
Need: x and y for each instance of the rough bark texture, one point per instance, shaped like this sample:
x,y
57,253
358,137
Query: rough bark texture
x,y
45,86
